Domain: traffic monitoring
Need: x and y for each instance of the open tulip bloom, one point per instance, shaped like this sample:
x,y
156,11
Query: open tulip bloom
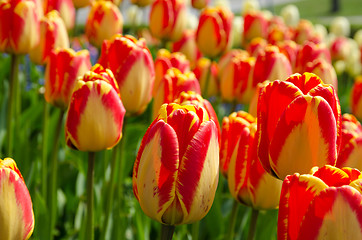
x,y
176,171
299,125
325,204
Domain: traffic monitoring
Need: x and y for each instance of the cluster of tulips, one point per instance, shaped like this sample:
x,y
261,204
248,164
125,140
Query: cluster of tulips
x,y
283,144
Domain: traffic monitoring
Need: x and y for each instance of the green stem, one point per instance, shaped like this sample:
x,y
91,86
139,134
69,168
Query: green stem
x,y
90,197
167,232
54,175
44,149
233,214
13,82
195,230
207,80
254,218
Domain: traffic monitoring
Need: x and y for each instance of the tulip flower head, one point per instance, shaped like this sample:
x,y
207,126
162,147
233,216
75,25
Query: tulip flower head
x,y
213,35
203,71
299,125
95,115
255,25
324,70
19,26
325,204
16,210
308,53
62,70
176,171
65,8
132,65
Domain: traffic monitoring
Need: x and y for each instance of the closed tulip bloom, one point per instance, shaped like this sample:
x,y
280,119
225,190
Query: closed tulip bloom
x,y
202,71
256,46
255,25
82,3
172,85
166,60
132,65
248,182
95,115
356,98
253,106
303,32
340,49
187,46
213,35
290,14
324,70
65,8
16,210
290,49
299,125
141,3
351,145
19,26
176,171
325,204
104,21
236,79
53,34
340,26
168,19
61,73
199,4
308,53
271,65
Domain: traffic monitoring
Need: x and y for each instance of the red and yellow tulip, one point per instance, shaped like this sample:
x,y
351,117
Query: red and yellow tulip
x,y
132,65
203,71
255,26
53,34
324,70
248,182
299,125
168,19
19,26
65,8
104,21
325,204
310,52
61,73
176,171
16,214
213,35
95,114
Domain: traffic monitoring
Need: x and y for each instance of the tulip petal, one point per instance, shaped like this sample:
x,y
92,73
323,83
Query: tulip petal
x,y
332,176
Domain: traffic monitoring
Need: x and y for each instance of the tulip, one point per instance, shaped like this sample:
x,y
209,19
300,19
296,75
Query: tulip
x,y
248,182
53,34
65,8
340,26
255,25
207,75
236,83
250,6
256,46
324,70
199,4
351,145
95,115
278,31
19,26
340,49
254,100
290,14
290,49
104,21
141,3
308,53
172,85
166,60
187,46
175,174
16,211
131,62
82,3
299,125
304,32
213,35
356,100
168,19
271,65
63,69
325,204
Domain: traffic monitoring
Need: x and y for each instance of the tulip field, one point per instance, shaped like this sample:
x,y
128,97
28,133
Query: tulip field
x,y
180,119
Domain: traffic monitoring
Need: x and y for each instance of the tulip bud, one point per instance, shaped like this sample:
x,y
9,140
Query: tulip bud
x,y
95,115
340,49
82,3
16,211
141,3
340,26
188,47
290,14
308,53
168,19
255,25
213,35
19,26
53,34
176,171
250,6
172,85
62,71
65,8
356,100
303,32
199,4
166,60
207,75
322,205
290,49
324,70
131,62
256,46
351,145
299,125
248,182
104,21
